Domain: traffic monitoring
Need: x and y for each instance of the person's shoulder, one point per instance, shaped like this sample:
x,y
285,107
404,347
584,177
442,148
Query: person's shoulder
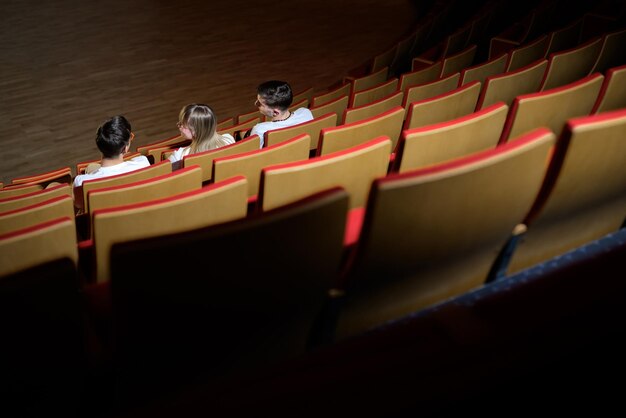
x,y
78,180
228,138
140,160
303,112
261,127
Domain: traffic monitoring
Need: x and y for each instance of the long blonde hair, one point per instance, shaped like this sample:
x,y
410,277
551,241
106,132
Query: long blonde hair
x,y
201,121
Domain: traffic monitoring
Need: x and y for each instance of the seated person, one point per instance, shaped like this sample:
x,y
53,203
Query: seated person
x,y
113,139
273,100
198,123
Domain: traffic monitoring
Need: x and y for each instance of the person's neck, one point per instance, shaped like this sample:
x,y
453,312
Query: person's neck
x,y
108,162
282,116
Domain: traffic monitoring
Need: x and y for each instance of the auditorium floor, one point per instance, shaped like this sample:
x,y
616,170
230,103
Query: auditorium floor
x,y
68,65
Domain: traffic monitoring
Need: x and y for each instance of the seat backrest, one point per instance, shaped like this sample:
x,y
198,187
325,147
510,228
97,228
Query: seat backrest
x,y
336,106
552,108
441,142
345,136
56,207
241,127
156,154
447,106
459,61
158,187
61,175
613,52
251,163
255,115
20,201
430,89
18,190
434,233
421,76
225,123
81,192
564,38
400,60
611,96
143,149
205,159
368,81
525,55
384,59
323,98
480,72
353,169
456,41
507,86
303,96
303,102
512,36
258,284
584,195
215,203
567,66
37,244
372,109
311,128
367,96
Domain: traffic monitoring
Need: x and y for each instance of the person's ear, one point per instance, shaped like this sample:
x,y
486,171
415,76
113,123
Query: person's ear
x,y
275,112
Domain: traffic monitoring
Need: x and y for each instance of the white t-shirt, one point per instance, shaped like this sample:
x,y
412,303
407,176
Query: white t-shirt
x,y
300,115
181,152
129,165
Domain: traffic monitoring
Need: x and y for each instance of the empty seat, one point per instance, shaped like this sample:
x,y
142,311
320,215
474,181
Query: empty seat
x,y
507,86
345,136
434,233
611,96
336,106
215,203
552,108
251,163
373,94
61,175
567,66
311,128
36,196
323,98
440,142
453,104
613,53
584,195
205,159
355,114
525,55
430,89
420,76
480,72
56,207
218,301
80,192
353,169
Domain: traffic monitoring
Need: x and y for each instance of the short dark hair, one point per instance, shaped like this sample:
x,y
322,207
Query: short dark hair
x,y
113,136
276,93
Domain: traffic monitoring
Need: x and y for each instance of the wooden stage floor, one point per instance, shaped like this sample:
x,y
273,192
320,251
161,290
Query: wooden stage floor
x,y
68,65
